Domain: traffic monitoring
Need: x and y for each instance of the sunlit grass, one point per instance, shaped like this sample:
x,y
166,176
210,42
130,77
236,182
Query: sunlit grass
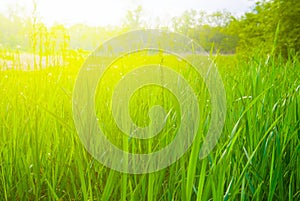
x,y
257,157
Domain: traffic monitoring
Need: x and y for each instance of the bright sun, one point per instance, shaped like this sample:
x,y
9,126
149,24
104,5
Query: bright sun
x,y
92,12
111,12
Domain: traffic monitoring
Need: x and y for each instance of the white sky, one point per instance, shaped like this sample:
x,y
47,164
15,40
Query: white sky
x,y
111,12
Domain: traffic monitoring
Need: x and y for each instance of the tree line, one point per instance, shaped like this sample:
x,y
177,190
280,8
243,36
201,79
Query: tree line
x,y
272,27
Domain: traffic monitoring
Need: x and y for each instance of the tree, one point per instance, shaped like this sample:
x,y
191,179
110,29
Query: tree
x,y
288,13
209,30
272,27
59,43
133,18
186,22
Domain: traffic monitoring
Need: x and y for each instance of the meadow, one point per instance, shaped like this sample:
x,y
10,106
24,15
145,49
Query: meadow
x,y
256,158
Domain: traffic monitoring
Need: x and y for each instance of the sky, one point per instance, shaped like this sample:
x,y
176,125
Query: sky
x,y
111,12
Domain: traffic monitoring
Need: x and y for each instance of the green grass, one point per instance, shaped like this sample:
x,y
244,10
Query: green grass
x,y
257,157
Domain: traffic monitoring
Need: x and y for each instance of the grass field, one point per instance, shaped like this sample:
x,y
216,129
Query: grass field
x,y
256,158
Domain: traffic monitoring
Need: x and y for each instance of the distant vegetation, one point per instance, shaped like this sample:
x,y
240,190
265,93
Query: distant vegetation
x,y
272,26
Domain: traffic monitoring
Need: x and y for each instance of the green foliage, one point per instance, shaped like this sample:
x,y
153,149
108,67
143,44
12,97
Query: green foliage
x,y
257,157
209,30
258,154
273,27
